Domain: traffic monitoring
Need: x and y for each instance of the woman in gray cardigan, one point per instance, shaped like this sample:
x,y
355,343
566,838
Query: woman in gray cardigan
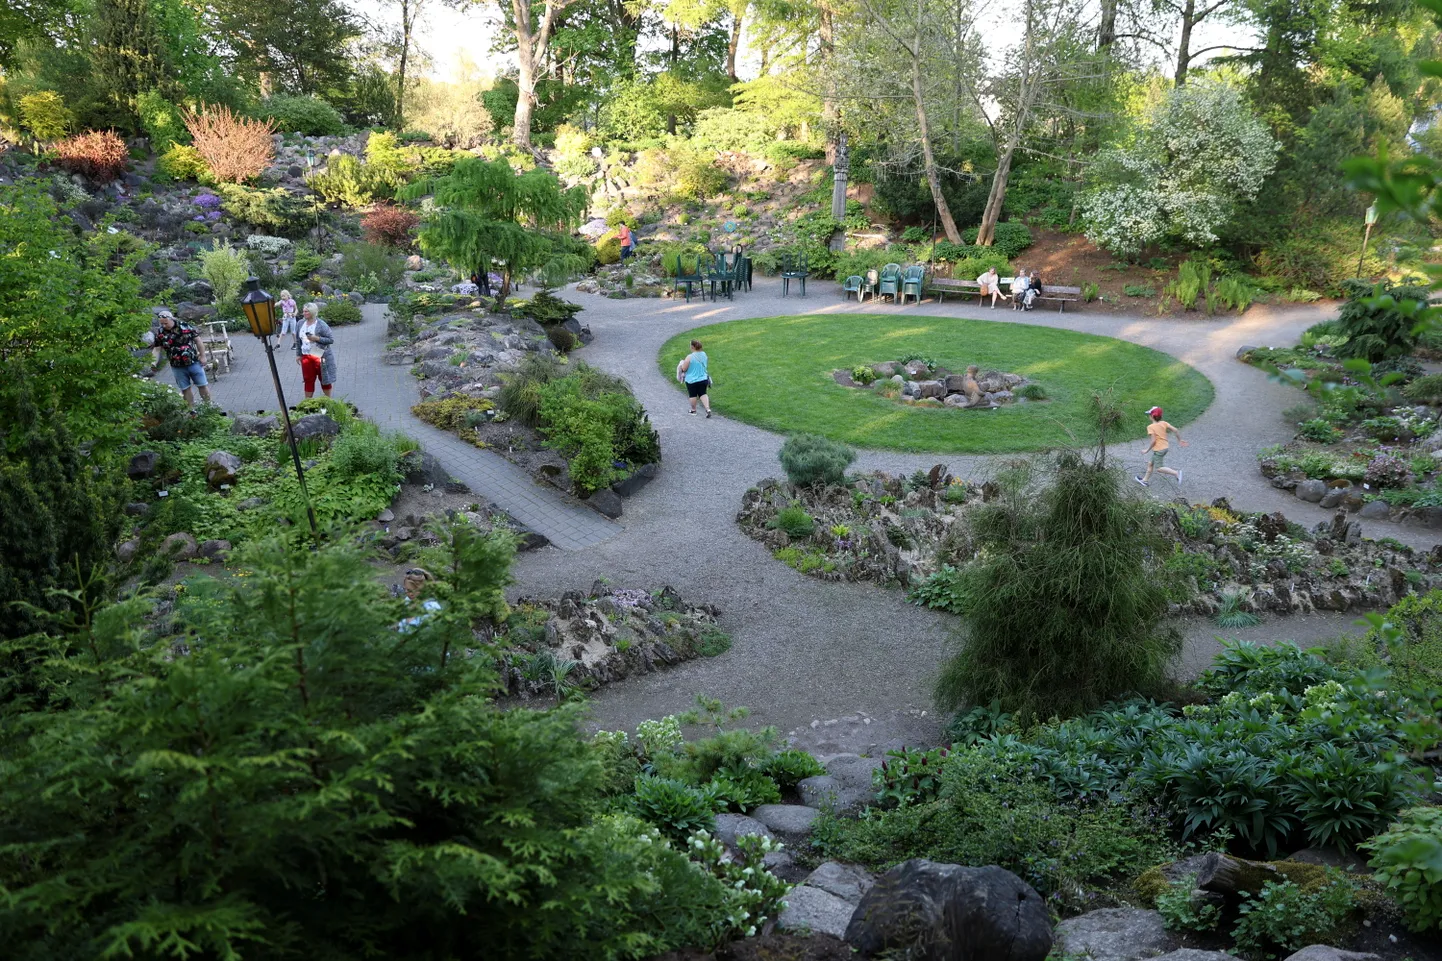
x,y
313,350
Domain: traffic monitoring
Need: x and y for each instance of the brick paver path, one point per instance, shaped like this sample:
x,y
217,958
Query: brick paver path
x,y
385,394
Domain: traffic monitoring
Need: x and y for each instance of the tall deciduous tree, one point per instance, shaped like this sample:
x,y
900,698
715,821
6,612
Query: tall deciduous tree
x,y
301,44
489,217
1055,55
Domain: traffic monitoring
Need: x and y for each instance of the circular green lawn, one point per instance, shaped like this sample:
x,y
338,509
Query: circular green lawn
x,y
775,372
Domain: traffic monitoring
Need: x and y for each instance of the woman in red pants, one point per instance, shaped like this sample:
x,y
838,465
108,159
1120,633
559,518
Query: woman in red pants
x,y
313,350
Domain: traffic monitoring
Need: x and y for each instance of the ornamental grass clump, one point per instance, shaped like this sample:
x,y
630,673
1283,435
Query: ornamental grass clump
x,y
1063,611
811,460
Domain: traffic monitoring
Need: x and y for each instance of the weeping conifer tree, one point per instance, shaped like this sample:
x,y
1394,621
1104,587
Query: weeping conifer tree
x,y
1062,608
488,217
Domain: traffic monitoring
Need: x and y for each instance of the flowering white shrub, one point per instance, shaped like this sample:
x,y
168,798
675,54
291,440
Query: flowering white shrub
x,y
659,736
755,893
1181,177
269,246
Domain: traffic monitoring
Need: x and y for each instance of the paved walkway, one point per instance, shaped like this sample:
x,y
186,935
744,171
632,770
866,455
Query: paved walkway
x,y
385,394
806,649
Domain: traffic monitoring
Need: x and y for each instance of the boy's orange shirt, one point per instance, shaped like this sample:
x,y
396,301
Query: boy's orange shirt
x,y
1158,431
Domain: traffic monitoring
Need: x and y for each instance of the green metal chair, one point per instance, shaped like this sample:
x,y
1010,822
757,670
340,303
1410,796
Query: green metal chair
x,y
852,286
693,276
869,285
911,282
794,270
718,275
890,284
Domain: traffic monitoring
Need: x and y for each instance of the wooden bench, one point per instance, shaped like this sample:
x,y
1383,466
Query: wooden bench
x,y
1062,295
941,286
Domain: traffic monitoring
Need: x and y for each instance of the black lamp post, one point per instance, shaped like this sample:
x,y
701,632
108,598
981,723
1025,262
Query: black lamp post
x,y
310,162
259,308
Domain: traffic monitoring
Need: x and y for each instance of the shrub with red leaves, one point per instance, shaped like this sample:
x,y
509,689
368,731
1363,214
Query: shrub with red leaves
x,y
390,226
235,148
98,154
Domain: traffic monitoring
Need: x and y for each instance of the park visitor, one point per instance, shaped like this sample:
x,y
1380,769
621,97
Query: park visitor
x,y
1019,290
1157,447
412,583
313,351
693,370
287,316
990,284
623,234
182,346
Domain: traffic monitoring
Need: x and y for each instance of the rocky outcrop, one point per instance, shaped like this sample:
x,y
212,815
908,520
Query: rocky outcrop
x,y
944,912
606,636
1116,934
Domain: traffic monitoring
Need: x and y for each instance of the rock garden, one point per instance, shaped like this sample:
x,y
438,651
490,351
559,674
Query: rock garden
x,y
915,381
507,382
1367,440
560,648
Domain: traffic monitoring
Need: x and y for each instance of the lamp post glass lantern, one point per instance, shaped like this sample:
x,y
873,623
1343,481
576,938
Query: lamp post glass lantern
x,y
259,309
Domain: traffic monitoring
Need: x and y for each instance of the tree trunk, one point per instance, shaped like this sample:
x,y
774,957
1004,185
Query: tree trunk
x,y
830,114
1107,28
525,99
933,179
986,235
732,45
675,57
406,21
1184,43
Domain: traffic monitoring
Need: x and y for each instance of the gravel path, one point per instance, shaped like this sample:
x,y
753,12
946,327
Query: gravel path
x,y
807,650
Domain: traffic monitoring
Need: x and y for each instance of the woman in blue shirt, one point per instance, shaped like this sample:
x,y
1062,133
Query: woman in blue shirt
x,y
698,378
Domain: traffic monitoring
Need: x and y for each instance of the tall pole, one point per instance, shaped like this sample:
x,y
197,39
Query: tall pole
x,y
290,436
839,172
1371,218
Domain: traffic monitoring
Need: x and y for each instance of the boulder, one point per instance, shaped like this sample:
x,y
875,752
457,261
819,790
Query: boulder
x,y
956,400
932,388
637,479
729,827
125,551
420,468
221,468
414,262
915,369
143,465
1195,954
944,912
1333,498
847,881
814,911
1376,511
251,425
789,822
1322,952
215,550
1116,934
179,546
1312,491
136,509
607,502
845,788
955,383
1244,350
250,504
314,425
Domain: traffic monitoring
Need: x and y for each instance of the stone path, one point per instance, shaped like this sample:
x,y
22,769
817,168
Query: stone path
x,y
385,394
806,650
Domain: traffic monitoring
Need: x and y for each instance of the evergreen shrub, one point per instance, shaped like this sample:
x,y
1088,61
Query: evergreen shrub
x,y
811,460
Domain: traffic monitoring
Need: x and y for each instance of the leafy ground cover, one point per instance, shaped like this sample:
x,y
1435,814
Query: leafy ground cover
x,y
775,372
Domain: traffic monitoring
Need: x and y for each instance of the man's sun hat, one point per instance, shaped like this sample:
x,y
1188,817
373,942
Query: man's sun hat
x,y
1154,412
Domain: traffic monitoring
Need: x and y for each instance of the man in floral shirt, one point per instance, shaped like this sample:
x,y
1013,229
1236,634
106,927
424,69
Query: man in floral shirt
x,y
185,350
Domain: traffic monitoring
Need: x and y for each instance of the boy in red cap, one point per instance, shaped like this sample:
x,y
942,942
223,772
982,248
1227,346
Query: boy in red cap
x,y
1157,447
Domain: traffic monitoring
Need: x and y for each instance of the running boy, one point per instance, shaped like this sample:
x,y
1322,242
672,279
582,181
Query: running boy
x,y
1157,447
